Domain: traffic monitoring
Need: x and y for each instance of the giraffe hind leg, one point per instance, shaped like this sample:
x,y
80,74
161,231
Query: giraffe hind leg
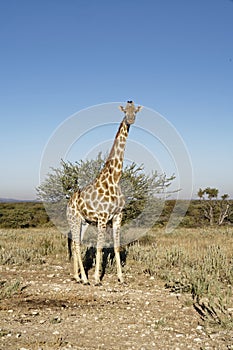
x,y
76,232
78,264
116,237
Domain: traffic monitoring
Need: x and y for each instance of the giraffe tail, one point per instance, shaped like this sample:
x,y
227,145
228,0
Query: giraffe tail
x,y
69,245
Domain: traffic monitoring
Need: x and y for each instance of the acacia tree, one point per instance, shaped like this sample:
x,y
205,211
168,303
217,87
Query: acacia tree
x,y
141,191
215,210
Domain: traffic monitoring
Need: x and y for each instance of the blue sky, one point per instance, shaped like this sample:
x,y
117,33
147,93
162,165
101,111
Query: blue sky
x,y
58,57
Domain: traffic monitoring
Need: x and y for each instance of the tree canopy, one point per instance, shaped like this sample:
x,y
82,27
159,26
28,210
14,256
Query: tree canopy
x,y
143,193
215,210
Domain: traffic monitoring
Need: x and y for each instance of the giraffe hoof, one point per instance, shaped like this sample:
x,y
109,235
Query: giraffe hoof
x,y
98,283
121,280
77,279
86,283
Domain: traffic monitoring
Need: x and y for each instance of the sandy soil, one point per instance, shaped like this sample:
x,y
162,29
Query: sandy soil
x,y
52,311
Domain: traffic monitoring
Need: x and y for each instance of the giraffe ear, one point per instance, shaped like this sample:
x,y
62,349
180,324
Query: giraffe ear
x,y
138,109
121,108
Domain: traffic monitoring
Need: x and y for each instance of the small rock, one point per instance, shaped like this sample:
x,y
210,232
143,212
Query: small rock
x,y
35,312
198,340
213,335
55,320
199,328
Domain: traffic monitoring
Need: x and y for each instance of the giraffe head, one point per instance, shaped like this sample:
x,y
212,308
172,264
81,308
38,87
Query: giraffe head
x,y
130,112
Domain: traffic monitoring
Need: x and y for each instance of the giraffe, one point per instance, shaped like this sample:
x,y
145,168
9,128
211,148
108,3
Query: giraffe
x,y
100,202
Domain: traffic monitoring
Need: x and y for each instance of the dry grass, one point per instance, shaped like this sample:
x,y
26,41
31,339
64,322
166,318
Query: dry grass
x,y
194,261
21,246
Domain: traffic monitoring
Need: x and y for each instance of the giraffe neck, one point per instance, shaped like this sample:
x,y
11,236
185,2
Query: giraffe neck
x,y
113,165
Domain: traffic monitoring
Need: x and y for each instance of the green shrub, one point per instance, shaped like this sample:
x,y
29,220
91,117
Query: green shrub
x,y
23,215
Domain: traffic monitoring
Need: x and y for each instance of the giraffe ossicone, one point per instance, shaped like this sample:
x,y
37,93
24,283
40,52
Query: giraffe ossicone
x,y
101,201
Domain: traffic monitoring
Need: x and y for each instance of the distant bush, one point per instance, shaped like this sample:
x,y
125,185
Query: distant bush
x,y
33,214
23,215
194,216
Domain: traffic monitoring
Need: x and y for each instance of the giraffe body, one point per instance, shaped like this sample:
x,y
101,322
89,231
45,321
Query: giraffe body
x,y
101,201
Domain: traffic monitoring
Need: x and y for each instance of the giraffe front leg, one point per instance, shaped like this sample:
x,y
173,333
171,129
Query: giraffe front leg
x,y
118,263
116,237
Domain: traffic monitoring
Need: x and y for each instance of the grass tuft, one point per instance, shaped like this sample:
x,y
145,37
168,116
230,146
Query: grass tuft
x,y
7,289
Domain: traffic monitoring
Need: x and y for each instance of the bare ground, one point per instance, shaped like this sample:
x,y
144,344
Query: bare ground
x,y
52,311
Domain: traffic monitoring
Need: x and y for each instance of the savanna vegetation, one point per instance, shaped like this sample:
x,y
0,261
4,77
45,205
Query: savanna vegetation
x,y
23,215
195,259
194,262
146,196
33,214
